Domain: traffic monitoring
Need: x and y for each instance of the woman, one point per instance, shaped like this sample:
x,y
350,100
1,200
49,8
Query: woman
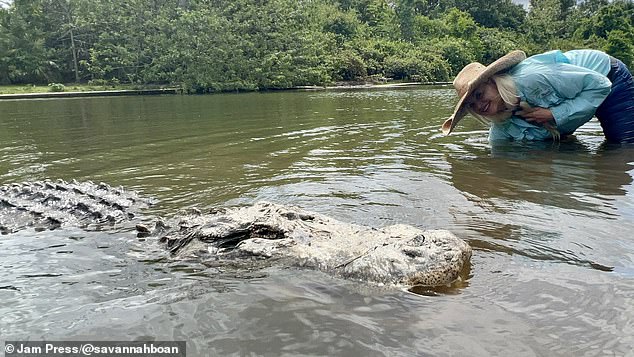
x,y
547,95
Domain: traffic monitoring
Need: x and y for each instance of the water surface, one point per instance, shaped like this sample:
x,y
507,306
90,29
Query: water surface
x,y
552,226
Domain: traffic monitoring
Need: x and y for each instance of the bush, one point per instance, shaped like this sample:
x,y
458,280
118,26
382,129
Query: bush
x,y
456,51
97,82
619,45
418,65
496,43
426,28
374,53
348,66
56,87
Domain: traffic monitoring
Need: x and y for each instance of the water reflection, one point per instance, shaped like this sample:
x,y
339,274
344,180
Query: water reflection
x,y
567,175
534,199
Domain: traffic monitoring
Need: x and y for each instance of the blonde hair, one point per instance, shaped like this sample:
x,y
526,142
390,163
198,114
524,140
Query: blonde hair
x,y
507,89
508,92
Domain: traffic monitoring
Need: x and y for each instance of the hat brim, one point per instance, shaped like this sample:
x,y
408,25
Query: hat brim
x,y
503,63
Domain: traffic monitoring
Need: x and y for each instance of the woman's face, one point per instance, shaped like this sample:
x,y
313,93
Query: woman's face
x,y
486,100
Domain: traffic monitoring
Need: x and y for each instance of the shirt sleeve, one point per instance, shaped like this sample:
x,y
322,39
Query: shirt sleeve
x,y
517,129
571,93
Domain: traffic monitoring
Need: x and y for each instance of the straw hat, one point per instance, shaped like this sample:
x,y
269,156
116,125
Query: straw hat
x,y
471,76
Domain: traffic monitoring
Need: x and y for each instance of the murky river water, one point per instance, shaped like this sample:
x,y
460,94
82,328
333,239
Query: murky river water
x,y
552,227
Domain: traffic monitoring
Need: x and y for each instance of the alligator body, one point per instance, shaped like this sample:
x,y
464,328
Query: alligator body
x,y
394,255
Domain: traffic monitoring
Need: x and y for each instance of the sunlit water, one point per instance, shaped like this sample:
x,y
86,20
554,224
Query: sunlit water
x,y
552,227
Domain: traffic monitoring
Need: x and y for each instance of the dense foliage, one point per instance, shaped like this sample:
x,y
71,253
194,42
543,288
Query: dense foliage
x,y
217,45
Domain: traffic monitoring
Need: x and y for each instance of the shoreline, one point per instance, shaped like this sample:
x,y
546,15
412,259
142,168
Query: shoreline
x,y
374,86
91,93
160,91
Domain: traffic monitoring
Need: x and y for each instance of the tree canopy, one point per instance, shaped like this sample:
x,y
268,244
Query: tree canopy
x,y
218,45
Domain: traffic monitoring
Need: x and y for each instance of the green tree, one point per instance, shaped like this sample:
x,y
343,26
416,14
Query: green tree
x,y
498,42
619,45
215,45
610,28
615,16
123,46
545,21
417,64
5,47
406,12
499,13
344,25
460,24
488,13
589,7
26,59
379,15
66,37
425,28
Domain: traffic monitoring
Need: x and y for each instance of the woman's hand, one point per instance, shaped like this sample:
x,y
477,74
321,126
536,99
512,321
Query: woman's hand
x,y
536,115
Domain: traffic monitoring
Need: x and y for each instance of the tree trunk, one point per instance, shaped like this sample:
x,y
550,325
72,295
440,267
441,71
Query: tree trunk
x,y
74,49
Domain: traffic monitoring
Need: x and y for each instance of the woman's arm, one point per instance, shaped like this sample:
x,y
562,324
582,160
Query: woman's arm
x,y
516,128
536,115
569,93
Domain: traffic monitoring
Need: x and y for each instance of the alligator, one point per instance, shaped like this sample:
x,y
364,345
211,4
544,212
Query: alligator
x,y
395,255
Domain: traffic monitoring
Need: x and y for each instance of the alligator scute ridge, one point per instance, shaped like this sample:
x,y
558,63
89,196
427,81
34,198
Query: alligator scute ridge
x,y
52,204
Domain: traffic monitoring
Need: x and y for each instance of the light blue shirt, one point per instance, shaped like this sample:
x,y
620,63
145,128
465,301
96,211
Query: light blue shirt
x,y
572,85
591,59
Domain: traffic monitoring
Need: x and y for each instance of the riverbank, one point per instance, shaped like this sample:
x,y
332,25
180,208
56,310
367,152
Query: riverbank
x,y
373,85
95,93
34,92
81,90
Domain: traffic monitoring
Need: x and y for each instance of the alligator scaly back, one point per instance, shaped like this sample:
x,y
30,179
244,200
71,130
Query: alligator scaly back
x,y
49,204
